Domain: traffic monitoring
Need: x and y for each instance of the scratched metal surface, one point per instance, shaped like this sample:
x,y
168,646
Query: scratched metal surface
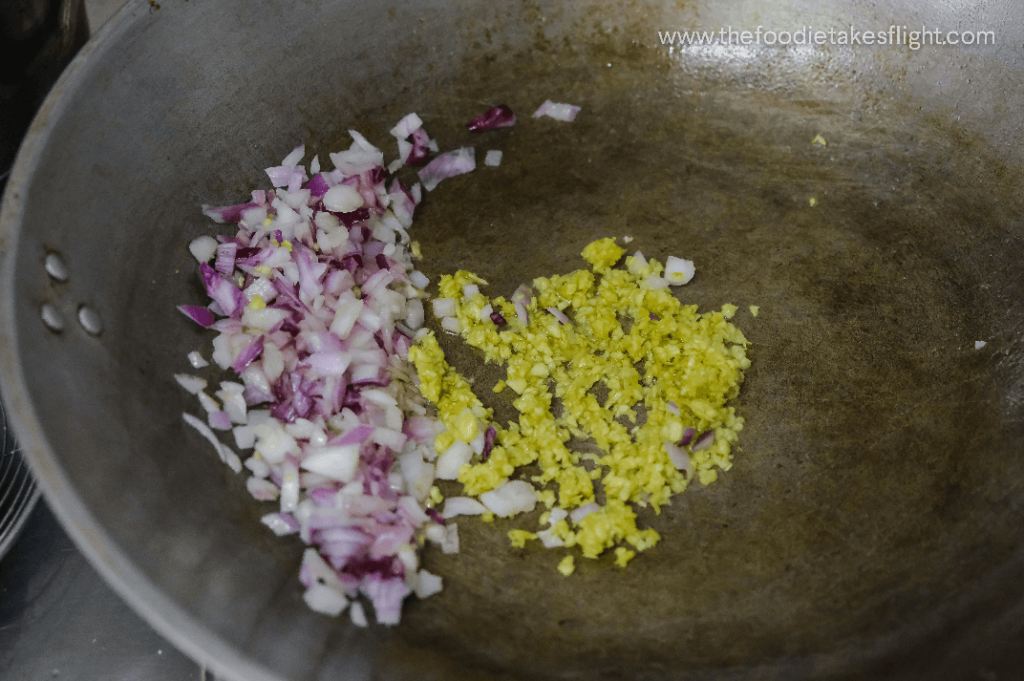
x,y
869,527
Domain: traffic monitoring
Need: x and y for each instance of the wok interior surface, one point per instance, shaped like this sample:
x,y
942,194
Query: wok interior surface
x,y
870,525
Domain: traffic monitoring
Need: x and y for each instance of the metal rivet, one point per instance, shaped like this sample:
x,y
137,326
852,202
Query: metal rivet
x,y
53,319
56,268
90,320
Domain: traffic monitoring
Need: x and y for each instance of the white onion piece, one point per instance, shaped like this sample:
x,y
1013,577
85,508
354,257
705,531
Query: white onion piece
x,y
678,271
450,544
448,464
277,524
325,600
678,456
208,403
655,283
637,264
273,443
427,584
358,615
414,315
263,490
192,384
514,496
470,290
289,486
405,127
583,511
561,112
342,199
448,164
203,248
418,279
245,437
338,462
196,360
450,324
444,307
456,506
493,158
547,536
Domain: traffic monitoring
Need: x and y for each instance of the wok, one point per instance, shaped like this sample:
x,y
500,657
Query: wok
x,y
870,527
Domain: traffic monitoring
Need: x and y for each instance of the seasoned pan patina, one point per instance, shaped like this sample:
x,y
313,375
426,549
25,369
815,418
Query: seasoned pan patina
x,y
870,525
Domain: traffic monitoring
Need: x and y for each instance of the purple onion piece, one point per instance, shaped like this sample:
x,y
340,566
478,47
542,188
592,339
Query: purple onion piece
x,y
435,516
489,437
655,317
358,215
559,315
498,318
382,261
500,116
200,315
704,441
688,434
247,356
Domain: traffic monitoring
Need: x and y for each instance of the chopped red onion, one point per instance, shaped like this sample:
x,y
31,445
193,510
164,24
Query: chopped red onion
x,y
678,456
405,126
704,441
688,434
200,315
512,497
559,315
456,506
498,318
447,165
490,435
562,112
583,511
678,271
500,116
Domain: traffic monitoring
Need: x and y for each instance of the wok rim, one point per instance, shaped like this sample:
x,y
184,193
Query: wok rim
x,y
196,640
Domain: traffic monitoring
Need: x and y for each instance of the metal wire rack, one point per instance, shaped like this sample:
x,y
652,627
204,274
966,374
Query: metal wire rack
x,y
18,491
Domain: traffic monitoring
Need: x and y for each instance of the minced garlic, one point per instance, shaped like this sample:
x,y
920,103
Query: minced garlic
x,y
664,367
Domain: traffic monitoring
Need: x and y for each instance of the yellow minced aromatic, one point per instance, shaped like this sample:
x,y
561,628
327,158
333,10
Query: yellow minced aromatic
x,y
663,366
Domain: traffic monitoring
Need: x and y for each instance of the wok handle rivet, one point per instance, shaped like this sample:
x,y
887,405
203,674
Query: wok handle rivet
x,y
90,320
52,318
56,267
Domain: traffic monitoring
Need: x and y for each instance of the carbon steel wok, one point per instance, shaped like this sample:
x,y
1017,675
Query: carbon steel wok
x,y
871,524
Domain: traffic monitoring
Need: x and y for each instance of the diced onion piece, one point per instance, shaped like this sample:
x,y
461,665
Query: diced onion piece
x,y
704,441
325,600
196,360
358,615
454,457
512,497
338,462
562,112
192,384
444,307
203,248
450,324
493,158
405,126
447,165
678,456
427,584
456,506
678,271
583,511
342,199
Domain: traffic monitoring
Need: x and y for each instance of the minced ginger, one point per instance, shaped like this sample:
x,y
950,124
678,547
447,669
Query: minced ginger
x,y
628,332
